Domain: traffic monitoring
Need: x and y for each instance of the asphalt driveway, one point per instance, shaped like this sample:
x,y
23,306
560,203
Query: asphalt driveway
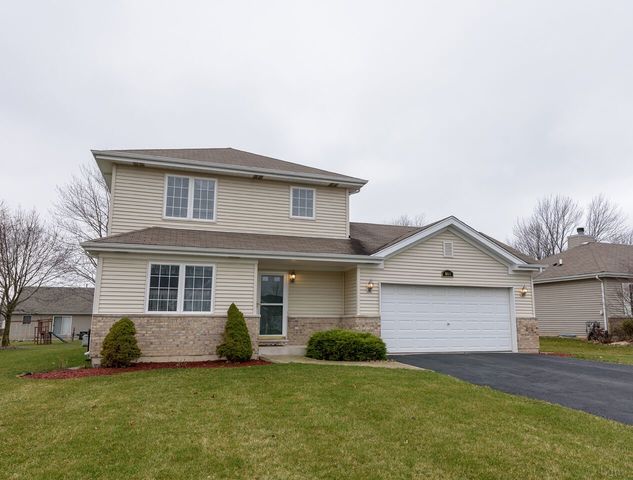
x,y
599,388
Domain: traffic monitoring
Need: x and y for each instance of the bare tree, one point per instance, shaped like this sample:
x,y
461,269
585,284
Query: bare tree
x,y
407,221
606,221
81,213
545,232
32,254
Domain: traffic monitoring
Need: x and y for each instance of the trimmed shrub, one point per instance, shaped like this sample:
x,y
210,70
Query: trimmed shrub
x,y
346,345
236,346
627,329
119,346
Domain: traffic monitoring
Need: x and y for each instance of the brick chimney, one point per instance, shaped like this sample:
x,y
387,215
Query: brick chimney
x,y
579,239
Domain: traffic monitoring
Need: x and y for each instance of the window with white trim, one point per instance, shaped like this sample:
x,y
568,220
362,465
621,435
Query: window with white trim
x,y
447,247
180,288
627,294
302,202
190,197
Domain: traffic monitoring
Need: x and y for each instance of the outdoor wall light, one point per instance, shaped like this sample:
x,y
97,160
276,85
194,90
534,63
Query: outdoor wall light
x,y
370,286
292,276
523,291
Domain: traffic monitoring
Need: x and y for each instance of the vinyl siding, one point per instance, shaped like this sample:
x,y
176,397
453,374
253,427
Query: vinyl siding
x,y
351,292
124,279
243,205
315,294
565,307
422,264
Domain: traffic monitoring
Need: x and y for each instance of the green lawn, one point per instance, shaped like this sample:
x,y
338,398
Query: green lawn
x,y
289,422
589,351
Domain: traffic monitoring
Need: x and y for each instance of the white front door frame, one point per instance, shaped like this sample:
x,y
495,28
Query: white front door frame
x,y
284,303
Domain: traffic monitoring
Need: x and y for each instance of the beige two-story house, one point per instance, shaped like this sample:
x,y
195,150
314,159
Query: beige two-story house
x,y
193,230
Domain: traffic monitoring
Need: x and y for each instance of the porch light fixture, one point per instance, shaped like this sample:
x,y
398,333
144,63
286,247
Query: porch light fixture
x,y
370,286
523,291
292,276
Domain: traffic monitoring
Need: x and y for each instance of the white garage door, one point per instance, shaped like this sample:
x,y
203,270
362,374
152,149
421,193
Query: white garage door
x,y
416,318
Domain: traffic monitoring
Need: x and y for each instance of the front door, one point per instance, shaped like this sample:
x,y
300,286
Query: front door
x,y
272,293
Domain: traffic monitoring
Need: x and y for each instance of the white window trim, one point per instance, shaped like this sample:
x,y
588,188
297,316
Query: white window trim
x,y
445,243
181,288
314,203
189,217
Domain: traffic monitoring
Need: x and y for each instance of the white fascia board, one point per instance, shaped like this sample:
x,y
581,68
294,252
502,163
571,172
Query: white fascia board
x,y
233,170
584,276
255,254
454,222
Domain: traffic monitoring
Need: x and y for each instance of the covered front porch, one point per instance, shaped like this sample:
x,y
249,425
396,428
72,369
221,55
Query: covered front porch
x,y
296,299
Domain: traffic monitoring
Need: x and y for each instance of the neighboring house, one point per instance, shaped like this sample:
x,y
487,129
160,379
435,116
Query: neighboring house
x,y
192,231
70,308
588,282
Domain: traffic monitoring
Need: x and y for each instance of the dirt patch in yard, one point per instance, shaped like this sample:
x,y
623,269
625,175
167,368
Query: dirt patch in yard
x,y
99,371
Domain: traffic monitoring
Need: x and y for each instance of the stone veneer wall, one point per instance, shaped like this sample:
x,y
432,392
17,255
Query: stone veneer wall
x,y
301,328
164,338
527,335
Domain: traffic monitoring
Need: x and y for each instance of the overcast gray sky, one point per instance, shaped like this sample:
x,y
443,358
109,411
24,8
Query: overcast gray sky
x,y
470,108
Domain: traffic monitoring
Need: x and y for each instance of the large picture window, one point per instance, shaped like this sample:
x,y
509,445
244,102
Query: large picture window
x,y
189,197
180,288
302,202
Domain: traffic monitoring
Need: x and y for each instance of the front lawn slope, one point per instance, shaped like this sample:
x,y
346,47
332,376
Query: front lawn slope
x,y
296,421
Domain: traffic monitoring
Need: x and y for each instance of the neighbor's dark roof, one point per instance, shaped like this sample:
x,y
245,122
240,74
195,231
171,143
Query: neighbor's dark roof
x,y
231,157
590,258
58,301
365,239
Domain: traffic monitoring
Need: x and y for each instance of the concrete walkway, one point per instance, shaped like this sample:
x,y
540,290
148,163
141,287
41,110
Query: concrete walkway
x,y
312,361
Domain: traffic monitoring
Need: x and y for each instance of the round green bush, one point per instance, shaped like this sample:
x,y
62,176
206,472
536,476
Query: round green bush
x,y
119,346
627,328
237,345
346,345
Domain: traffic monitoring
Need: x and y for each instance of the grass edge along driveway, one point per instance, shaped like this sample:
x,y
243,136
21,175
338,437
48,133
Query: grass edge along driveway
x,y
588,351
289,422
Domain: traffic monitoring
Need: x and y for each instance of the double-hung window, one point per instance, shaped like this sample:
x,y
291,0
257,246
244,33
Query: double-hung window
x,y
180,288
302,202
190,197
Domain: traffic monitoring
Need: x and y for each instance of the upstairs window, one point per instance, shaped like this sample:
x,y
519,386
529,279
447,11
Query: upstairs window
x,y
302,202
189,197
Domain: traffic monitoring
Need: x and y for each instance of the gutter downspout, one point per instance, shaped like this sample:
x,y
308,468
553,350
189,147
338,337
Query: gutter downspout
x,y
604,306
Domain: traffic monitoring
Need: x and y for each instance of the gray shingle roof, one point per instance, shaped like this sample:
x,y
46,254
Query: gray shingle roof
x,y
57,301
365,239
229,157
590,258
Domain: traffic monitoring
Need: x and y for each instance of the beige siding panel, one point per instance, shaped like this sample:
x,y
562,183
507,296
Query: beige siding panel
x,y
351,292
124,279
423,264
243,205
565,307
316,294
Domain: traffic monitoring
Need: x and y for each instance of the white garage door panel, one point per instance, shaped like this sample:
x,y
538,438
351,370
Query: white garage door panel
x,y
416,318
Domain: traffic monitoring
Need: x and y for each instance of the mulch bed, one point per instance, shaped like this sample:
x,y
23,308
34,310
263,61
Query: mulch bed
x,y
99,371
